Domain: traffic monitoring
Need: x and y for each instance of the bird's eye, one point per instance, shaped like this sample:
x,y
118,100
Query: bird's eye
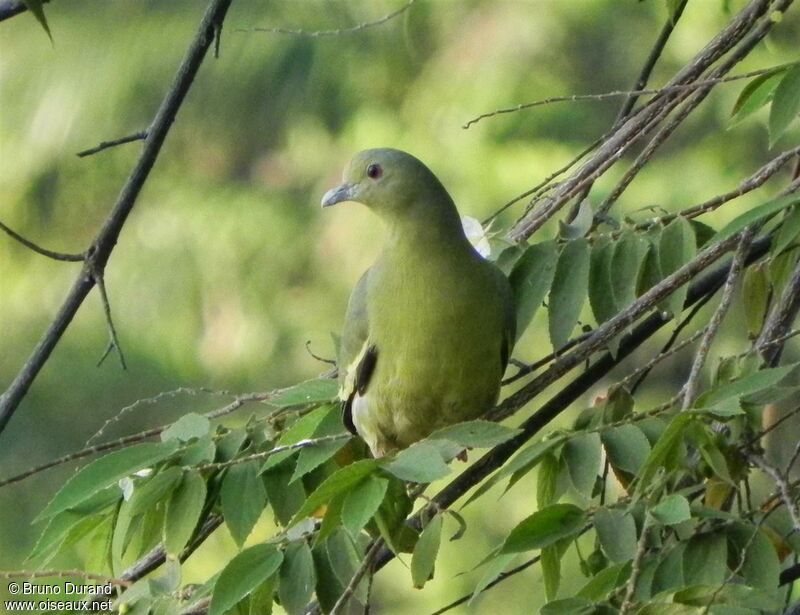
x,y
374,171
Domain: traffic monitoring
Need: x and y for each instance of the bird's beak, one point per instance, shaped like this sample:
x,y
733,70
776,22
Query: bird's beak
x,y
338,194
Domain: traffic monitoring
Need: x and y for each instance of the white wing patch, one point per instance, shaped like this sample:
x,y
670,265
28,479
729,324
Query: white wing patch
x,y
350,371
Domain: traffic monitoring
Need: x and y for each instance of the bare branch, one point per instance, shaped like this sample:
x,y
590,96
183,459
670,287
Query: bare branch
x,y
783,486
320,33
106,239
780,319
366,565
710,332
58,256
62,574
113,340
103,145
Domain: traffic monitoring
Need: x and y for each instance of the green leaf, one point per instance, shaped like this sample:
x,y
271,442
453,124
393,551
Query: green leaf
x,y
544,528
671,510
608,579
669,572
183,512
494,568
582,456
302,429
35,7
745,386
345,559
755,214
757,93
475,434
150,492
755,298
547,480
761,566
425,552
189,426
530,280
312,457
106,471
284,498
601,294
627,447
570,286
243,499
340,481
705,559
785,104
55,532
730,594
580,225
616,531
297,578
313,391
650,271
628,257
420,463
551,570
788,231
243,574
568,606
362,503
677,247
664,451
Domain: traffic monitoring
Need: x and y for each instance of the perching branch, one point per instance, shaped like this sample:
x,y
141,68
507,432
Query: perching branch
x,y
98,254
103,145
58,256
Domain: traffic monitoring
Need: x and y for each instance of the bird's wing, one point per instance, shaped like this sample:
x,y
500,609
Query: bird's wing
x,y
357,356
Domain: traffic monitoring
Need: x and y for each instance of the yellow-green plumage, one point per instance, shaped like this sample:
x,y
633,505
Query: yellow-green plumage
x,y
430,325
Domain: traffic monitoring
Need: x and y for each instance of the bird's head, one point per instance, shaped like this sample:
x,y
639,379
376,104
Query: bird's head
x,y
391,183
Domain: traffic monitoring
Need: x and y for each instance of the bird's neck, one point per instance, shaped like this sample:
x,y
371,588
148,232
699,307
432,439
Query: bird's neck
x,y
427,229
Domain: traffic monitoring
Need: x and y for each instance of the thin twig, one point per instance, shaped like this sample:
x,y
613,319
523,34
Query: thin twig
x,y
630,586
667,89
780,319
710,331
106,239
366,564
113,340
58,256
783,487
664,354
308,442
317,357
103,145
138,437
320,33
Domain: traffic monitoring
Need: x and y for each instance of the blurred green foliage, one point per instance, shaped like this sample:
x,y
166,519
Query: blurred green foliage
x,y
227,266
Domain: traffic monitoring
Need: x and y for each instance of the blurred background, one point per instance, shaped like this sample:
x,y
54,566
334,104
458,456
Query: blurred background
x,y
227,266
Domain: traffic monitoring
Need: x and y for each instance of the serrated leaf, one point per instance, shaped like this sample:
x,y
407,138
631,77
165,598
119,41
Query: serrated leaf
x,y
757,93
671,510
568,606
150,492
106,471
704,561
663,452
616,531
627,447
628,256
582,456
362,503
425,552
183,512
545,527
243,499
755,298
243,574
755,214
312,457
569,290
315,391
297,578
189,426
601,294
785,104
530,280
340,481
742,387
546,480
677,247
54,533
494,568
475,434
761,566
601,584
284,498
420,463
302,429
788,231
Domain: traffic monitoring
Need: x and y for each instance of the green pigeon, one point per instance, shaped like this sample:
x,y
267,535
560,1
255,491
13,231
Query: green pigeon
x,y
430,326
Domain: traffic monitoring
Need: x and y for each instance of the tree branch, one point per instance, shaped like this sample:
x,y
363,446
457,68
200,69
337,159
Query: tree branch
x,y
98,254
57,256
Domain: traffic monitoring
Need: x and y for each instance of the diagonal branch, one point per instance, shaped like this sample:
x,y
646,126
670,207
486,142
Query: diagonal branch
x,y
98,254
58,256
